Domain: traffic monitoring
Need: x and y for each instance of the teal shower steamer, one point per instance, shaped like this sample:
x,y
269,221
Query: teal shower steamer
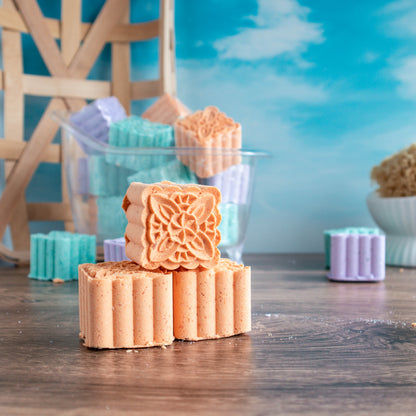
x,y
106,179
57,255
173,171
138,132
347,230
111,220
229,225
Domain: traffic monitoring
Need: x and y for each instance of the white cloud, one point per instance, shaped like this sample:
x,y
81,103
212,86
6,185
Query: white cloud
x,y
369,57
405,73
262,86
259,99
402,17
281,28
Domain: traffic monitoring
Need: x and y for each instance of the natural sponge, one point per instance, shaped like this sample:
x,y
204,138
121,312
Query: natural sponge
x,y
396,175
172,225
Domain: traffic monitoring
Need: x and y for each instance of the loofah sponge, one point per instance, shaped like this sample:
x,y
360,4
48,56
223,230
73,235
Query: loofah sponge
x,y
396,175
58,254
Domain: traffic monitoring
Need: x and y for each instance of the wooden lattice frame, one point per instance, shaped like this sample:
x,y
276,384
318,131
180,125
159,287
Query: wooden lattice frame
x,y
68,90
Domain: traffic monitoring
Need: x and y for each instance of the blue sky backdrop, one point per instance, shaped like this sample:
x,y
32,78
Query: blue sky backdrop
x,y
329,88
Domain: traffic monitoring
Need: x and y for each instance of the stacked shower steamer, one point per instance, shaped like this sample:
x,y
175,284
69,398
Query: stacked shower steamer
x,y
103,179
176,227
208,130
177,285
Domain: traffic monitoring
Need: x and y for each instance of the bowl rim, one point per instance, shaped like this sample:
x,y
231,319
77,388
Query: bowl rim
x,y
62,118
375,196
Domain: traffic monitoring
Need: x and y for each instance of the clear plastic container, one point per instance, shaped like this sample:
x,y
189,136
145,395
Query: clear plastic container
x,y
98,176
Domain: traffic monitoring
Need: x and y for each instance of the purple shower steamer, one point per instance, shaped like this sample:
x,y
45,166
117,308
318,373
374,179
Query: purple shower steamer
x,y
358,257
232,183
114,250
95,119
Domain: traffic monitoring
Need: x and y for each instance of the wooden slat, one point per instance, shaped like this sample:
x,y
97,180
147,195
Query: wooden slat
x,y
1,80
21,258
70,41
85,57
11,19
109,16
11,150
71,29
145,89
13,124
25,167
133,32
167,48
47,47
65,87
120,66
49,211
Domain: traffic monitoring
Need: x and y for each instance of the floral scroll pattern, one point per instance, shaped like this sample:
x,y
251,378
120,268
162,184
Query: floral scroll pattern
x,y
182,227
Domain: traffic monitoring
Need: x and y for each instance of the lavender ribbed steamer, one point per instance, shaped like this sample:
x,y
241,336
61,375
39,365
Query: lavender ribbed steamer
x,y
95,119
114,250
83,180
358,257
233,183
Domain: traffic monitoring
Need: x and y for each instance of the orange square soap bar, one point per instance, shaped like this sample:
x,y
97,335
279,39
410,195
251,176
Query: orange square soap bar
x,y
166,110
212,303
123,306
208,129
172,225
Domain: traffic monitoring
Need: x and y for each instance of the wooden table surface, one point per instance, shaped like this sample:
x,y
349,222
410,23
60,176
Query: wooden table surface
x,y
316,348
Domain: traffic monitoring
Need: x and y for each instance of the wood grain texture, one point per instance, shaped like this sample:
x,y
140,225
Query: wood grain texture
x,y
132,32
144,89
49,211
120,68
71,29
317,348
46,46
71,11
27,164
13,122
10,150
109,16
44,86
167,48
